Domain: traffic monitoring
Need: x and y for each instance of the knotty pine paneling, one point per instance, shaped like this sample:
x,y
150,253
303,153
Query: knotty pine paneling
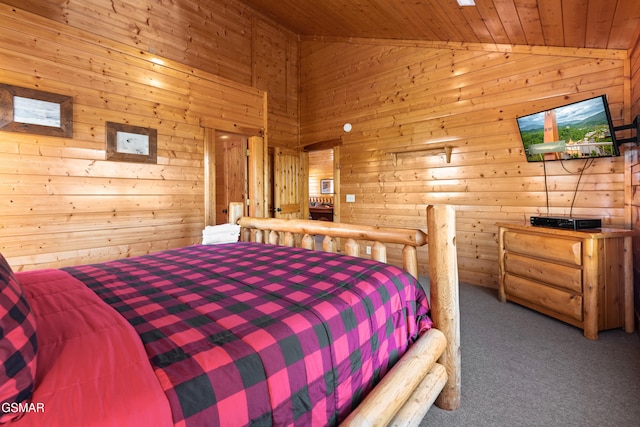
x,y
399,95
634,196
633,166
610,24
225,38
61,202
634,60
275,58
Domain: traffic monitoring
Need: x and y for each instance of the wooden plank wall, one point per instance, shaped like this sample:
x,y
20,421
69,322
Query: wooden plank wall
x,y
225,38
61,202
401,95
633,164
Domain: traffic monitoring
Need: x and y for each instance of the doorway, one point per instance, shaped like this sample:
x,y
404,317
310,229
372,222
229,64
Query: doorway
x,y
231,183
321,185
234,167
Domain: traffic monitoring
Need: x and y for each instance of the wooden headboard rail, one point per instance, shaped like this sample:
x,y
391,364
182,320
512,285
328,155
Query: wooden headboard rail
x,y
270,230
417,380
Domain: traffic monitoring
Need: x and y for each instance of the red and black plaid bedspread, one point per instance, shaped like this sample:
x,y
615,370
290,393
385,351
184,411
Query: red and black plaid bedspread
x,y
252,334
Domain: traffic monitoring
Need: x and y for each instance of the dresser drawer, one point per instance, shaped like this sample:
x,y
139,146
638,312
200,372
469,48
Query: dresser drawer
x,y
555,249
558,275
537,295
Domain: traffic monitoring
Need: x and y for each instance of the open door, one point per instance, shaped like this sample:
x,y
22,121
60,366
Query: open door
x,y
290,189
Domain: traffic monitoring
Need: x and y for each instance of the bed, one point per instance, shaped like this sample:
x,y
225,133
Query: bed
x,y
255,332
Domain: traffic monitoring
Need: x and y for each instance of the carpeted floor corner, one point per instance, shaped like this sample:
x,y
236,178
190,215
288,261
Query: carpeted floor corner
x,y
522,368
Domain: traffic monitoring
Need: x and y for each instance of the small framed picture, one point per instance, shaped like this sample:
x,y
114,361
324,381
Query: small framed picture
x,y
326,186
34,111
127,143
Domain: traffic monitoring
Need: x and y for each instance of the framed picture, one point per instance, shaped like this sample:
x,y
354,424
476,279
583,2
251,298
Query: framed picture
x,y
34,111
127,143
326,186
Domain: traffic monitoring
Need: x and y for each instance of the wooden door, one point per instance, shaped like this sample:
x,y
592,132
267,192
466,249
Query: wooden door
x,y
289,183
231,173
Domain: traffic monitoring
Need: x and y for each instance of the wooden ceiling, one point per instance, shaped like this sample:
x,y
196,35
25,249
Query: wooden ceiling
x,y
606,24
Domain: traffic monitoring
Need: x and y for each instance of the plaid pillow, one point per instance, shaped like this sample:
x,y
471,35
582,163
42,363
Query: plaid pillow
x,y
18,344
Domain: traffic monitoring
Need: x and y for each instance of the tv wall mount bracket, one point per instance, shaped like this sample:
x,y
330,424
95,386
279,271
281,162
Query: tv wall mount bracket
x,y
634,126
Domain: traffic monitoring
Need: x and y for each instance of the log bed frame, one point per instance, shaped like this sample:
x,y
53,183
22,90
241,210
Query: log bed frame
x,y
430,370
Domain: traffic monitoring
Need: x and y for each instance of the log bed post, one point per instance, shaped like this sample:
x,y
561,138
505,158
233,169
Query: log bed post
x,y
443,278
236,210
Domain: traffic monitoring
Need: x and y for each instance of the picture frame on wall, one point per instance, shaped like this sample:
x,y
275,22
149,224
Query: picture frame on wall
x,y
128,143
326,186
34,111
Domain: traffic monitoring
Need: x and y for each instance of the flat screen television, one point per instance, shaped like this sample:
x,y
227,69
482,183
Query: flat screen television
x,y
580,130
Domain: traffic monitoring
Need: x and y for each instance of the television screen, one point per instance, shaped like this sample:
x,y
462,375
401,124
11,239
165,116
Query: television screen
x,y
580,130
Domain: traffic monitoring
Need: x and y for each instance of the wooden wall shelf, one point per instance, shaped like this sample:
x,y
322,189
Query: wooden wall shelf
x,y
428,150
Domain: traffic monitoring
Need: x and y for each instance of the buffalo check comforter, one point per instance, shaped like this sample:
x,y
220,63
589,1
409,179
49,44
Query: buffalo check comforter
x,y
253,334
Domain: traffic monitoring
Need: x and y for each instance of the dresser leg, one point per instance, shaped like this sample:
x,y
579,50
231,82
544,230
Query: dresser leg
x,y
628,285
590,289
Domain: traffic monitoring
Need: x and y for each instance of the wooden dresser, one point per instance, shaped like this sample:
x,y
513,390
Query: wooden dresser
x,y
584,278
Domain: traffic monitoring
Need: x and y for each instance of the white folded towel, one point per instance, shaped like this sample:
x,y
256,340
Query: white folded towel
x,y
223,233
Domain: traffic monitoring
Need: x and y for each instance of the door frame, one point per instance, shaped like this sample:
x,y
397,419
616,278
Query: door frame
x,y
255,171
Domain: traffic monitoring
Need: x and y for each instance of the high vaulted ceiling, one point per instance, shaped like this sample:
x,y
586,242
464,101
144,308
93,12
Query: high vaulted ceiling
x,y
606,24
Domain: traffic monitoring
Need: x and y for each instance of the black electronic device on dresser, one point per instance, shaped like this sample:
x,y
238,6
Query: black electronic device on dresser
x,y
566,222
